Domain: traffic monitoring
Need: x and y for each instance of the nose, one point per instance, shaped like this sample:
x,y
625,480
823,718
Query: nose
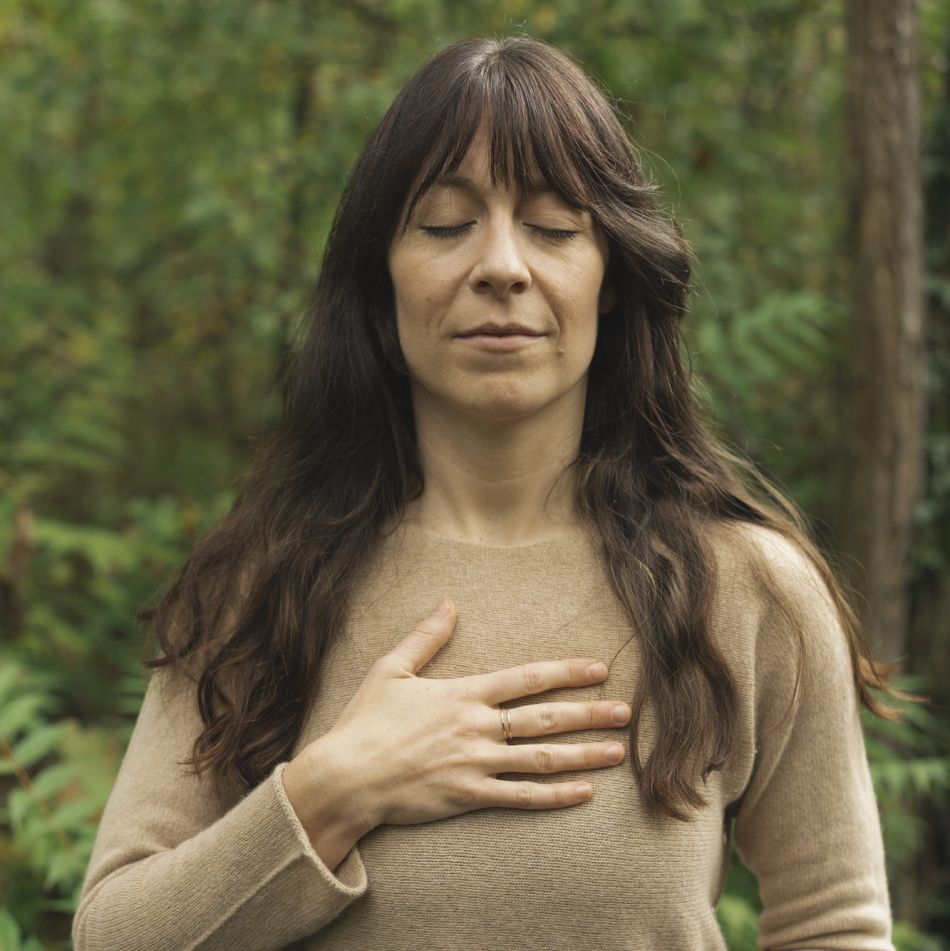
x,y
500,267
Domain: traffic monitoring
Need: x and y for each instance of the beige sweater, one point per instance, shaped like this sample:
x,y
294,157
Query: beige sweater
x,y
173,868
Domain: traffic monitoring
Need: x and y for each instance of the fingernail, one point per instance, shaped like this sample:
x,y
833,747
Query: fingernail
x,y
442,609
597,670
620,713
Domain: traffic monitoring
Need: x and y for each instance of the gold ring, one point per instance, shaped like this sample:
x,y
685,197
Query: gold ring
x,y
506,723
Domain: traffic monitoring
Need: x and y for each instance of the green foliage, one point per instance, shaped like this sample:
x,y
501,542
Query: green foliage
x,y
908,938
760,367
739,906
909,758
59,776
910,767
739,921
11,938
168,178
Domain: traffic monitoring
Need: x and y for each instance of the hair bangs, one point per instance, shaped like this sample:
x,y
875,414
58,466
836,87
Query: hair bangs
x,y
533,140
534,132
451,139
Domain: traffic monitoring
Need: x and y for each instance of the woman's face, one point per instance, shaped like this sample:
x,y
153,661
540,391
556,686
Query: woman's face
x,y
526,270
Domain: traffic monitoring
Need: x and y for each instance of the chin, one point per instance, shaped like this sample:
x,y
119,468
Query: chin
x,y
503,406
491,399
502,413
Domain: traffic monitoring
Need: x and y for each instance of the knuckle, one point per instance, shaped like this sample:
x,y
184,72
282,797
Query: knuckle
x,y
467,794
533,679
547,718
545,759
594,715
524,794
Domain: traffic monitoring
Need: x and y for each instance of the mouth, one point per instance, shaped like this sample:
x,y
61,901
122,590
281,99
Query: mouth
x,y
501,330
500,343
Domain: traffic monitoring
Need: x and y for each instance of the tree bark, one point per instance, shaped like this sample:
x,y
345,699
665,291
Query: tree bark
x,y
886,414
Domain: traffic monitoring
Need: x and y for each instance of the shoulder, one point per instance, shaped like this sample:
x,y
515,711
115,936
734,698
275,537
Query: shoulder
x,y
773,602
766,565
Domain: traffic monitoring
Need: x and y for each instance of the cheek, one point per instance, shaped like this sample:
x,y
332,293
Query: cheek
x,y
581,292
417,314
404,296
421,314
417,325
416,288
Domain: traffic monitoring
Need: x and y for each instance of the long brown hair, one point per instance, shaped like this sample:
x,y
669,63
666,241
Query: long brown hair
x,y
259,599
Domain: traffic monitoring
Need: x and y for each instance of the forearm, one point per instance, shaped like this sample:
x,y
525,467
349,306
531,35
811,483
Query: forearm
x,y
245,881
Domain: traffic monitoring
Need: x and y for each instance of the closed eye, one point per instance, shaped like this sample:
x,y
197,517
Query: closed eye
x,y
555,234
447,232
453,231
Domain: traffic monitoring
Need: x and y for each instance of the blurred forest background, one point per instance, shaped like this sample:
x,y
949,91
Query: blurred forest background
x,y
168,173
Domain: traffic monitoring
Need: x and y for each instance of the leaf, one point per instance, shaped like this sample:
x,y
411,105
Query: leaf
x,y
10,676
739,923
18,805
61,870
37,744
9,931
20,713
74,813
53,780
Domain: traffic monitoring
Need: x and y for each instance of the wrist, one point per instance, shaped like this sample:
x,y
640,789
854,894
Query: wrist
x,y
325,794
349,792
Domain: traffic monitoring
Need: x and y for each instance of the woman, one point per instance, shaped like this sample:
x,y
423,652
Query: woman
x,y
488,410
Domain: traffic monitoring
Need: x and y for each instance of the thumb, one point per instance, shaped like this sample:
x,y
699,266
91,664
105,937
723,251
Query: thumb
x,y
422,643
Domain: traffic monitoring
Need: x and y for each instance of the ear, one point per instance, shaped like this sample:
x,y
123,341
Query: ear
x,y
608,297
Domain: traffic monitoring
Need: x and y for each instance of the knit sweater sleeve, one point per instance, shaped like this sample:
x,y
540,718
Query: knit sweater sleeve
x,y
808,825
172,868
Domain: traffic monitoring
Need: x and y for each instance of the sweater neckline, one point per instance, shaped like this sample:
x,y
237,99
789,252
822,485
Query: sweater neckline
x,y
413,533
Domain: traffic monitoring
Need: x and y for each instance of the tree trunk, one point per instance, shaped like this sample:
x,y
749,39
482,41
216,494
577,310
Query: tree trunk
x,y
886,413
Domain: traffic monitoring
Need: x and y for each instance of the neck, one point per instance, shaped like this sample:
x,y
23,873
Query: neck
x,y
497,481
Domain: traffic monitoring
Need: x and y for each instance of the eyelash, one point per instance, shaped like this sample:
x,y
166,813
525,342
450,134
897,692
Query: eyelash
x,y
555,234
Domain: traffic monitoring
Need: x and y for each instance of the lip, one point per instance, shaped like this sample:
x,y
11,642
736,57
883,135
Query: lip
x,y
500,343
501,338
502,329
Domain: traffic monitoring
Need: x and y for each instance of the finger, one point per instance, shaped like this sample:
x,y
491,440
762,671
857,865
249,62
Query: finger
x,y
537,677
544,719
522,794
422,643
553,757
